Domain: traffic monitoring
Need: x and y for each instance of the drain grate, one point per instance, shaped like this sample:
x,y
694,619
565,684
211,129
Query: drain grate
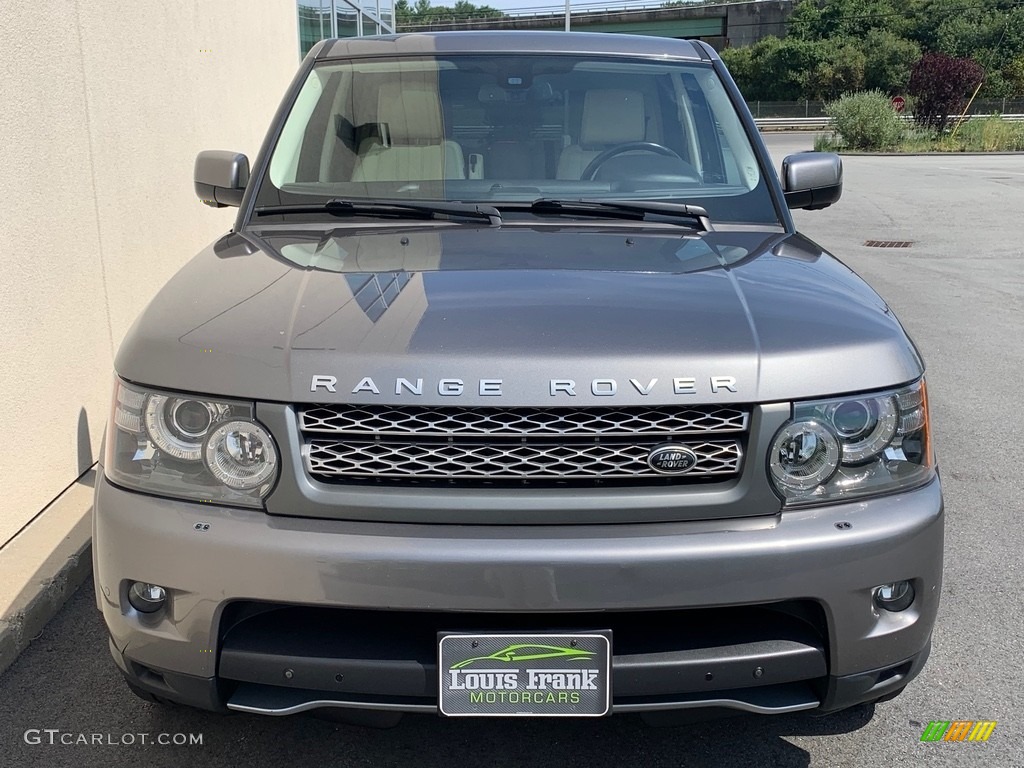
x,y
888,243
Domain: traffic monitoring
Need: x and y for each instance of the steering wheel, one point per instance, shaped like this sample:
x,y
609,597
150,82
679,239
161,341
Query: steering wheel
x,y
633,146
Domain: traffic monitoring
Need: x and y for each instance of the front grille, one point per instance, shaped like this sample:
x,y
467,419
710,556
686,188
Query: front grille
x,y
534,446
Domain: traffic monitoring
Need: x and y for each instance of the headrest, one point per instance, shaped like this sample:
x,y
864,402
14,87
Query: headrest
x,y
613,117
412,111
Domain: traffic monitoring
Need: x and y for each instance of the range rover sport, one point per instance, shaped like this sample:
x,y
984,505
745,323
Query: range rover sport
x,y
513,390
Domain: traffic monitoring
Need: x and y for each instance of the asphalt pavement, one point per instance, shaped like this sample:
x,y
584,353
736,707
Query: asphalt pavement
x,y
959,290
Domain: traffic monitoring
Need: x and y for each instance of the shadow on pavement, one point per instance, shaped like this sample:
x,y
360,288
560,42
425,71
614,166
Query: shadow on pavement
x,y
66,681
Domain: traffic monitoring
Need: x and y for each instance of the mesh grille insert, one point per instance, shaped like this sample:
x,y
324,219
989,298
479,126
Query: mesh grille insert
x,y
505,461
534,446
378,420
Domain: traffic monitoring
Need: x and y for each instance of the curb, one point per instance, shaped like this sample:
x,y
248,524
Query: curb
x,y
60,568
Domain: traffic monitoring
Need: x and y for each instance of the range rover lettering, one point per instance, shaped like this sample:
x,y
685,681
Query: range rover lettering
x,y
514,391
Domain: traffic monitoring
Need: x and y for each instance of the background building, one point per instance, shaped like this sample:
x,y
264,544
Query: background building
x,y
722,24
321,19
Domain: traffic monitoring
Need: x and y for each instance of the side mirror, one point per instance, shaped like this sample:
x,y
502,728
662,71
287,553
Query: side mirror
x,y
812,180
220,177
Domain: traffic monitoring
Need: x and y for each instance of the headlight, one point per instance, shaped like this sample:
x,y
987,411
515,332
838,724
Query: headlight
x,y
838,449
178,425
189,447
241,455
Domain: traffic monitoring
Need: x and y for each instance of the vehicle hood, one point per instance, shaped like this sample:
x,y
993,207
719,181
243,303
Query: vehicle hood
x,y
628,314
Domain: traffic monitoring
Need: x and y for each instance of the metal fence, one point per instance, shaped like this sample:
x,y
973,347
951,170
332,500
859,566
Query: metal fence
x,y
787,109
808,109
822,123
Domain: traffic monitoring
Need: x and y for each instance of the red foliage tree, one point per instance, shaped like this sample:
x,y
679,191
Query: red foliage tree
x,y
940,86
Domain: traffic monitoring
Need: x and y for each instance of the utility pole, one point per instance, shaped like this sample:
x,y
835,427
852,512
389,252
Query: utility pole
x,y
567,15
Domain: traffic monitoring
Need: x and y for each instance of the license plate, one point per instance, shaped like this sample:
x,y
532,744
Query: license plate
x,y
544,675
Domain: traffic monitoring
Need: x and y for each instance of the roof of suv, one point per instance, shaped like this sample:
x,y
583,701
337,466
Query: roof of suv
x,y
427,43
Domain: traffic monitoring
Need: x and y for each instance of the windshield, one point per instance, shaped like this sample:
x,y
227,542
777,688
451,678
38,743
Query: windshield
x,y
515,128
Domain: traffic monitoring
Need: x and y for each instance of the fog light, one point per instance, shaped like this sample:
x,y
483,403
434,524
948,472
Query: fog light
x,y
146,598
896,596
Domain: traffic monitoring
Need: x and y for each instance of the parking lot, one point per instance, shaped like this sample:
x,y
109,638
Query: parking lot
x,y
959,290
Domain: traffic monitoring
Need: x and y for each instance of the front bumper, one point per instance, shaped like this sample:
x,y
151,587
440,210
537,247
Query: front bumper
x,y
679,580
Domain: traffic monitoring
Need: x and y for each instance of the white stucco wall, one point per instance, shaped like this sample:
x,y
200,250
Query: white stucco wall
x,y
103,107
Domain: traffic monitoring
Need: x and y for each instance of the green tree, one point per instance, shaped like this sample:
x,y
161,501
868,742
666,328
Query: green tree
x,y
402,12
776,70
423,12
891,35
824,19
888,60
1013,74
804,23
840,71
740,62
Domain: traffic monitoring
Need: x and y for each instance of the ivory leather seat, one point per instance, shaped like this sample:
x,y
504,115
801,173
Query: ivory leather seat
x,y
416,149
610,117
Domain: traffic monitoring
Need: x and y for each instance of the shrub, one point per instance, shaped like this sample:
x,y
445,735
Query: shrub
x,y
940,86
865,120
987,134
826,142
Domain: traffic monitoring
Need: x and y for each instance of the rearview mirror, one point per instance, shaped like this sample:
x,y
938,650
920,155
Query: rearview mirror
x,y
812,180
221,177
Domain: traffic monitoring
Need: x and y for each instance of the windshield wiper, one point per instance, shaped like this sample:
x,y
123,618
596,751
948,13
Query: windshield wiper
x,y
388,208
626,209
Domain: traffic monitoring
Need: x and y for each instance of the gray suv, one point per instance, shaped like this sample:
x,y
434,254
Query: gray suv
x,y
514,391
